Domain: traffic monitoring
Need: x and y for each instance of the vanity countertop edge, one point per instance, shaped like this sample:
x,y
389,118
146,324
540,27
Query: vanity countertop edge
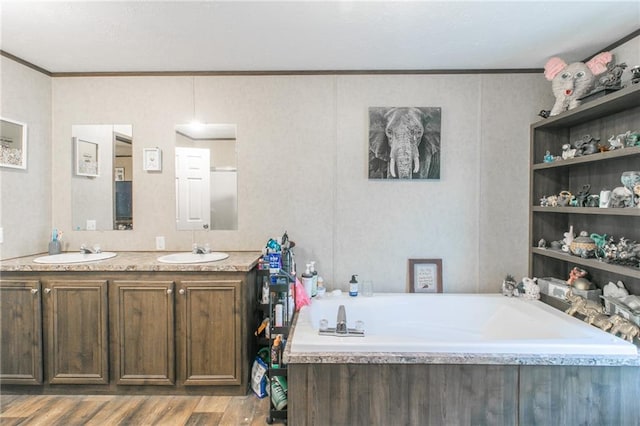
x,y
126,261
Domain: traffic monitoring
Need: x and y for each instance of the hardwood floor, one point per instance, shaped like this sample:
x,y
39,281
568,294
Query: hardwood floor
x,y
70,410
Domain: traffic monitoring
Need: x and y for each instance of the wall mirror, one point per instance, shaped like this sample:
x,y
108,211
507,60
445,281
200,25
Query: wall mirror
x,y
102,177
206,177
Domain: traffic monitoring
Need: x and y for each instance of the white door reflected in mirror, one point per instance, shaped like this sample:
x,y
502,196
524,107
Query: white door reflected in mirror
x,y
206,177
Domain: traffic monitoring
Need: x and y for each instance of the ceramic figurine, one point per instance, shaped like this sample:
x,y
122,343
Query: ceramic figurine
x,y
617,291
552,201
530,288
633,139
548,158
568,152
599,320
630,179
626,328
542,243
581,196
575,274
564,199
586,145
582,306
593,200
611,79
509,287
621,197
616,142
636,192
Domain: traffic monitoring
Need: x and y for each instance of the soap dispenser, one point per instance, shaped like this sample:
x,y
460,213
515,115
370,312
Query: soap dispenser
x,y
353,286
307,280
314,274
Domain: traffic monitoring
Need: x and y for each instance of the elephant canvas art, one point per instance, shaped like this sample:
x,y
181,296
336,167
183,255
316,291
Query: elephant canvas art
x,y
404,142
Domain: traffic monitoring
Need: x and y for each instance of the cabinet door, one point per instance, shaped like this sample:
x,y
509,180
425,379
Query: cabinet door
x,y
143,332
76,335
21,332
210,340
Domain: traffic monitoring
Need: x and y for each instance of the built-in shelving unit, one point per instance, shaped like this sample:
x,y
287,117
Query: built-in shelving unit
x,y
610,115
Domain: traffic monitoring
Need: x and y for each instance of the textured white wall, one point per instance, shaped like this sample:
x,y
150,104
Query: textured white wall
x,y
25,208
302,161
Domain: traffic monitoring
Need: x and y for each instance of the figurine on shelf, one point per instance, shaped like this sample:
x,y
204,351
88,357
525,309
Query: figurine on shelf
x,y
548,158
599,320
510,287
633,139
575,274
636,192
542,243
621,197
568,152
564,199
593,200
582,306
611,79
626,328
530,289
586,145
582,195
617,142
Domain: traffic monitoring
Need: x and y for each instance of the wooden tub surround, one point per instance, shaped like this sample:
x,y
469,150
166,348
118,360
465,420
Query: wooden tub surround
x,y
128,325
461,389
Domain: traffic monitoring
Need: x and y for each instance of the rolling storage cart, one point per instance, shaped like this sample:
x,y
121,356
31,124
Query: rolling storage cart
x,y
279,310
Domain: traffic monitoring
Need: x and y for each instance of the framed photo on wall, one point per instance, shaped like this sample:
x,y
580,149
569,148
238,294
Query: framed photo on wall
x,y
152,159
425,275
13,144
87,159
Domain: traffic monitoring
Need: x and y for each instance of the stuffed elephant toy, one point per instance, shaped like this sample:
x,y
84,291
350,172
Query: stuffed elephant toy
x,y
404,143
572,82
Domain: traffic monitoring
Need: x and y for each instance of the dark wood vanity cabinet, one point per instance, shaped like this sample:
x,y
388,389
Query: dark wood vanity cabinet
x,y
21,332
144,333
209,323
76,331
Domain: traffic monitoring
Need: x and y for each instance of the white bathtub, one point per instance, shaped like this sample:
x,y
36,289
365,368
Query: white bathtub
x,y
451,323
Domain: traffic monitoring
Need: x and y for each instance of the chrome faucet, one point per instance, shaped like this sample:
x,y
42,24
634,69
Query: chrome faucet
x,y
88,250
341,328
341,321
196,249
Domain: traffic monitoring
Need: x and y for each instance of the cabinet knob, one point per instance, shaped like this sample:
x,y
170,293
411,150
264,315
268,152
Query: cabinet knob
x,y
181,291
169,291
34,291
46,290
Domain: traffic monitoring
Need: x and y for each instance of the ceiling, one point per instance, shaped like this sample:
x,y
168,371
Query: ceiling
x,y
245,36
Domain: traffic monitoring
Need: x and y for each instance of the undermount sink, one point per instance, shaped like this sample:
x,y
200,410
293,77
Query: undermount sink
x,y
192,257
74,257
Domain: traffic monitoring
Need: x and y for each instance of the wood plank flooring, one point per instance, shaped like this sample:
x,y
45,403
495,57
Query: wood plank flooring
x,y
106,410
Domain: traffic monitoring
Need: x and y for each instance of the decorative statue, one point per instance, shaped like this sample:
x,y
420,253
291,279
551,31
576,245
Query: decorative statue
x,y
617,142
621,197
510,287
612,78
630,179
575,274
599,320
568,152
530,288
582,195
636,192
582,306
626,328
586,145
617,291
572,82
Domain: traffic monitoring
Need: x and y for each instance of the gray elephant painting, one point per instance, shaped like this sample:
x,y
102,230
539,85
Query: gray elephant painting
x,y
404,143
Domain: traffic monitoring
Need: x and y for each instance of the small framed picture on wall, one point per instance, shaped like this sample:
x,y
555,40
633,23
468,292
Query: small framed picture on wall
x,y
152,159
425,275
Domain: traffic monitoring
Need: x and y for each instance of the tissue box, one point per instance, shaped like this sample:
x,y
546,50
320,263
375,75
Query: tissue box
x,y
558,288
613,306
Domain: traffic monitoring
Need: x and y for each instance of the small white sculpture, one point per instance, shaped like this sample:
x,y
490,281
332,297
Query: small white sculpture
x,y
568,152
531,289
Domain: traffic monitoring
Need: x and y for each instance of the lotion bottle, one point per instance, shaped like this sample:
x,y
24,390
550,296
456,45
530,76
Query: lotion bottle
x,y
307,280
353,286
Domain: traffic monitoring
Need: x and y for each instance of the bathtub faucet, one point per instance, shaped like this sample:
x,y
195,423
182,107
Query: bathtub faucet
x,y
341,322
341,329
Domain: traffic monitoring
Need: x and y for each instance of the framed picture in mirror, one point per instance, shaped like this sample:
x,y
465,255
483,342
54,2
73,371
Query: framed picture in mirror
x,y
425,275
87,158
13,144
118,174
